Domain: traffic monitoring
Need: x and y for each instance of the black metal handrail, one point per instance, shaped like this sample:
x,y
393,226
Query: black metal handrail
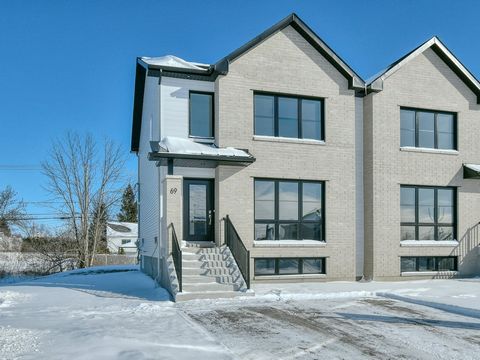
x,y
177,257
238,249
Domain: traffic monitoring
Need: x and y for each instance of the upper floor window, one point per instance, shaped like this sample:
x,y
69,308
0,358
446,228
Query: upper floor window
x,y
201,114
288,116
427,213
288,210
427,129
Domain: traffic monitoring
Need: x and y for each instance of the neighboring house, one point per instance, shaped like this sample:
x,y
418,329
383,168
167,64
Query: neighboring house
x,y
271,157
122,237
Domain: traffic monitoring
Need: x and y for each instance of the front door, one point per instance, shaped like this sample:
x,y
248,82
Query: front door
x,y
198,211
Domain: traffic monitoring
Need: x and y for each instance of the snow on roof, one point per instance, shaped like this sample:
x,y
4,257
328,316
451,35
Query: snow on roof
x,y
118,228
186,146
174,61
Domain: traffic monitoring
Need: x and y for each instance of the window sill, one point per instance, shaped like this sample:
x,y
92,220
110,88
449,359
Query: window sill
x,y
428,150
429,273
291,276
448,243
288,140
289,243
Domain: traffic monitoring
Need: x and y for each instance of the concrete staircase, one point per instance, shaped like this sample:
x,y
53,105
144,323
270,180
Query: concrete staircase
x,y
209,272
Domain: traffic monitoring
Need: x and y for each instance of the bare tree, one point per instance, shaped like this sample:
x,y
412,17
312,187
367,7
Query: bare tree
x,y
80,175
11,210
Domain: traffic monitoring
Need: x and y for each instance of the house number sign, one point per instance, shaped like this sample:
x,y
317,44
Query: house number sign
x,y
173,191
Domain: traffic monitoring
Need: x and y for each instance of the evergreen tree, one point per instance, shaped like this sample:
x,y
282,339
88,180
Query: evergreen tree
x,y
128,211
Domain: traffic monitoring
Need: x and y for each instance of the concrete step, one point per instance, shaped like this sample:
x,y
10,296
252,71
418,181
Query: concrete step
x,y
207,286
214,251
198,279
196,271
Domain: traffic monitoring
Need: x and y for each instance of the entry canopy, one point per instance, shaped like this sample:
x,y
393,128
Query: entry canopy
x,y
189,153
471,171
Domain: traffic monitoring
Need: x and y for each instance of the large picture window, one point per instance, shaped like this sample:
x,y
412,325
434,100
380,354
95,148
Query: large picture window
x,y
288,116
427,213
427,129
289,210
201,115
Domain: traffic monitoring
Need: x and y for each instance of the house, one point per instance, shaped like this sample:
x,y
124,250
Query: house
x,y
122,237
279,163
422,194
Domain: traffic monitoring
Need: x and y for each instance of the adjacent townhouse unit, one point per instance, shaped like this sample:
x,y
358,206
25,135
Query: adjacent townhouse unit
x,y
122,237
279,163
422,194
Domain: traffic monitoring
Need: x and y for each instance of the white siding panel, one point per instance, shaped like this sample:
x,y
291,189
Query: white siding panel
x,y
148,173
174,110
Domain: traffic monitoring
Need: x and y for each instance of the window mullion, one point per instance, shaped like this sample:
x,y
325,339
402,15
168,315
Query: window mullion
x,y
435,131
276,212
299,115
275,115
416,129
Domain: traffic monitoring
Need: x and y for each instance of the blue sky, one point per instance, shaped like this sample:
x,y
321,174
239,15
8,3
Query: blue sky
x,y
69,65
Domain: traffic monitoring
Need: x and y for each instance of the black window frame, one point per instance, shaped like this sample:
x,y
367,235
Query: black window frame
x,y
276,221
212,94
435,131
299,99
300,265
435,224
436,262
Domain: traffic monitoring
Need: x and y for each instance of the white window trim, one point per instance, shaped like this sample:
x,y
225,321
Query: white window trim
x,y
289,243
288,140
429,273
289,276
449,243
428,150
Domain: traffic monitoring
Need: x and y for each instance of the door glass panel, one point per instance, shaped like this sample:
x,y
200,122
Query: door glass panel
x,y
197,213
426,129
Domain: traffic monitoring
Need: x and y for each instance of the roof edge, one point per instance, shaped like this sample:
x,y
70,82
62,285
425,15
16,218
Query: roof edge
x,y
376,83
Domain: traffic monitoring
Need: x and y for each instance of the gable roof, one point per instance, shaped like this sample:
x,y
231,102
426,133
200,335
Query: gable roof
x,y
354,80
375,83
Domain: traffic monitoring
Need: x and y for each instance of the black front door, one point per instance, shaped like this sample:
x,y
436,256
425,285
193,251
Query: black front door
x,y
198,212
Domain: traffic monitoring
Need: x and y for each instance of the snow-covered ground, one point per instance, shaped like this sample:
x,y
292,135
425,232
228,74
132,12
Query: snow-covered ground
x,y
118,313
